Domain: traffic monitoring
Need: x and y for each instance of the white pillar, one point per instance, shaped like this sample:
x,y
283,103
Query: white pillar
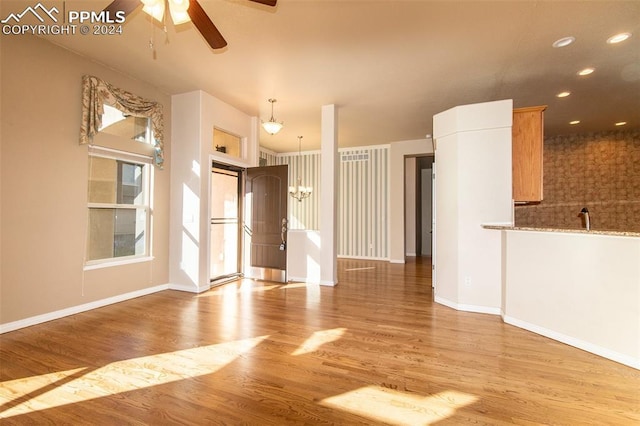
x,y
329,197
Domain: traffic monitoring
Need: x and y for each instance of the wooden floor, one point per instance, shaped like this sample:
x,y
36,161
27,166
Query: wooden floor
x,y
373,350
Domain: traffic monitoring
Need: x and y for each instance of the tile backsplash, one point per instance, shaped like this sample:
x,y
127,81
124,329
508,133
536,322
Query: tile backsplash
x,y
599,171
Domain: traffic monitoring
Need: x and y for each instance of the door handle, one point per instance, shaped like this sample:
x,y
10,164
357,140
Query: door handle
x,y
283,231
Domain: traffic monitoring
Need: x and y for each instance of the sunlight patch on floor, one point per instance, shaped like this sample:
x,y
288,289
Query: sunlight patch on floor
x,y
232,289
318,339
12,390
360,269
399,408
117,377
297,285
250,286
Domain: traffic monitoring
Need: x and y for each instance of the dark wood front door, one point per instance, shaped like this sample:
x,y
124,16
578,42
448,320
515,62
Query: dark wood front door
x,y
265,222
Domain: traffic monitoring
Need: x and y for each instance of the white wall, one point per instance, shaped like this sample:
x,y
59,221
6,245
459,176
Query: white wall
x,y
44,174
195,114
303,256
410,206
473,186
581,289
186,191
427,206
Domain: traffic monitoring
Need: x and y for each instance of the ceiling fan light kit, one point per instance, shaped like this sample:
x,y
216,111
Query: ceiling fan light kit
x,y
181,11
272,126
178,9
154,8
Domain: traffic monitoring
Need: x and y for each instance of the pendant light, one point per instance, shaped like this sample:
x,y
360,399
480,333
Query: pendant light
x,y
272,126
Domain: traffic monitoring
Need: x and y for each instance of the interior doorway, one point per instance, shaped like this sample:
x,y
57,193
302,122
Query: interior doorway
x,y
424,205
226,208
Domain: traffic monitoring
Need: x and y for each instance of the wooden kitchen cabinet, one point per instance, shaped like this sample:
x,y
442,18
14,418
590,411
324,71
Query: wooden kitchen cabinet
x,y
526,151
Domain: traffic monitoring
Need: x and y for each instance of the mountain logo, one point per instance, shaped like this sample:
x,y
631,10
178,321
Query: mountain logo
x,y
38,11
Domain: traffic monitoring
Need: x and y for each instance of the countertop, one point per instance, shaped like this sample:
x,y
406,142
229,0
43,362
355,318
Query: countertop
x,y
507,227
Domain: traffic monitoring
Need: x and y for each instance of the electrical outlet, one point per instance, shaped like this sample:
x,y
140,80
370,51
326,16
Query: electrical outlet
x,y
467,281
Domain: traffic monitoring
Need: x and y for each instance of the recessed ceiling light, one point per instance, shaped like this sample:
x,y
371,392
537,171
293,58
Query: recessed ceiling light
x,y
564,41
618,38
574,122
563,94
621,123
586,71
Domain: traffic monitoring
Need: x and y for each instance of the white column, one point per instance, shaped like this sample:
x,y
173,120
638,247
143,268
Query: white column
x,y
329,197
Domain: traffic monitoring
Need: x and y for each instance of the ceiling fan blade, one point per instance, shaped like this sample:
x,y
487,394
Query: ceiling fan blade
x,y
267,2
205,26
127,6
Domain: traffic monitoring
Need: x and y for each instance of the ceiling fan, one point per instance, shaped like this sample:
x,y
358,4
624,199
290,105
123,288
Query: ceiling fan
x,y
181,11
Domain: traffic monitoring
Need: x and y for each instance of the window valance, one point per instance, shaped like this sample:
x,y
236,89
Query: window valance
x,y
96,93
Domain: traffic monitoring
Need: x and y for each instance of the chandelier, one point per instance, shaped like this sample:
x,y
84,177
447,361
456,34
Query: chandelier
x,y
272,126
300,192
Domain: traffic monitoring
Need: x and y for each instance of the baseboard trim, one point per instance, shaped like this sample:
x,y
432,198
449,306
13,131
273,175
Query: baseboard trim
x,y
576,343
478,309
189,288
39,319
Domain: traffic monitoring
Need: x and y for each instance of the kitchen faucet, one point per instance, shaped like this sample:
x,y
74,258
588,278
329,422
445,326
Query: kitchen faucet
x,y
584,213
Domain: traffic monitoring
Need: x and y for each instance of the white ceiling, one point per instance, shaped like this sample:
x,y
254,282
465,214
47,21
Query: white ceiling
x,y
389,66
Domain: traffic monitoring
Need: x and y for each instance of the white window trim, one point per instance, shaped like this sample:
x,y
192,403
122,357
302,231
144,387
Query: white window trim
x,y
99,151
116,261
115,154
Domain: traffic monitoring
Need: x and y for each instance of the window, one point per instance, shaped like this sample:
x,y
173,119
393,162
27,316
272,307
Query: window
x,y
118,205
117,123
125,118
227,143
